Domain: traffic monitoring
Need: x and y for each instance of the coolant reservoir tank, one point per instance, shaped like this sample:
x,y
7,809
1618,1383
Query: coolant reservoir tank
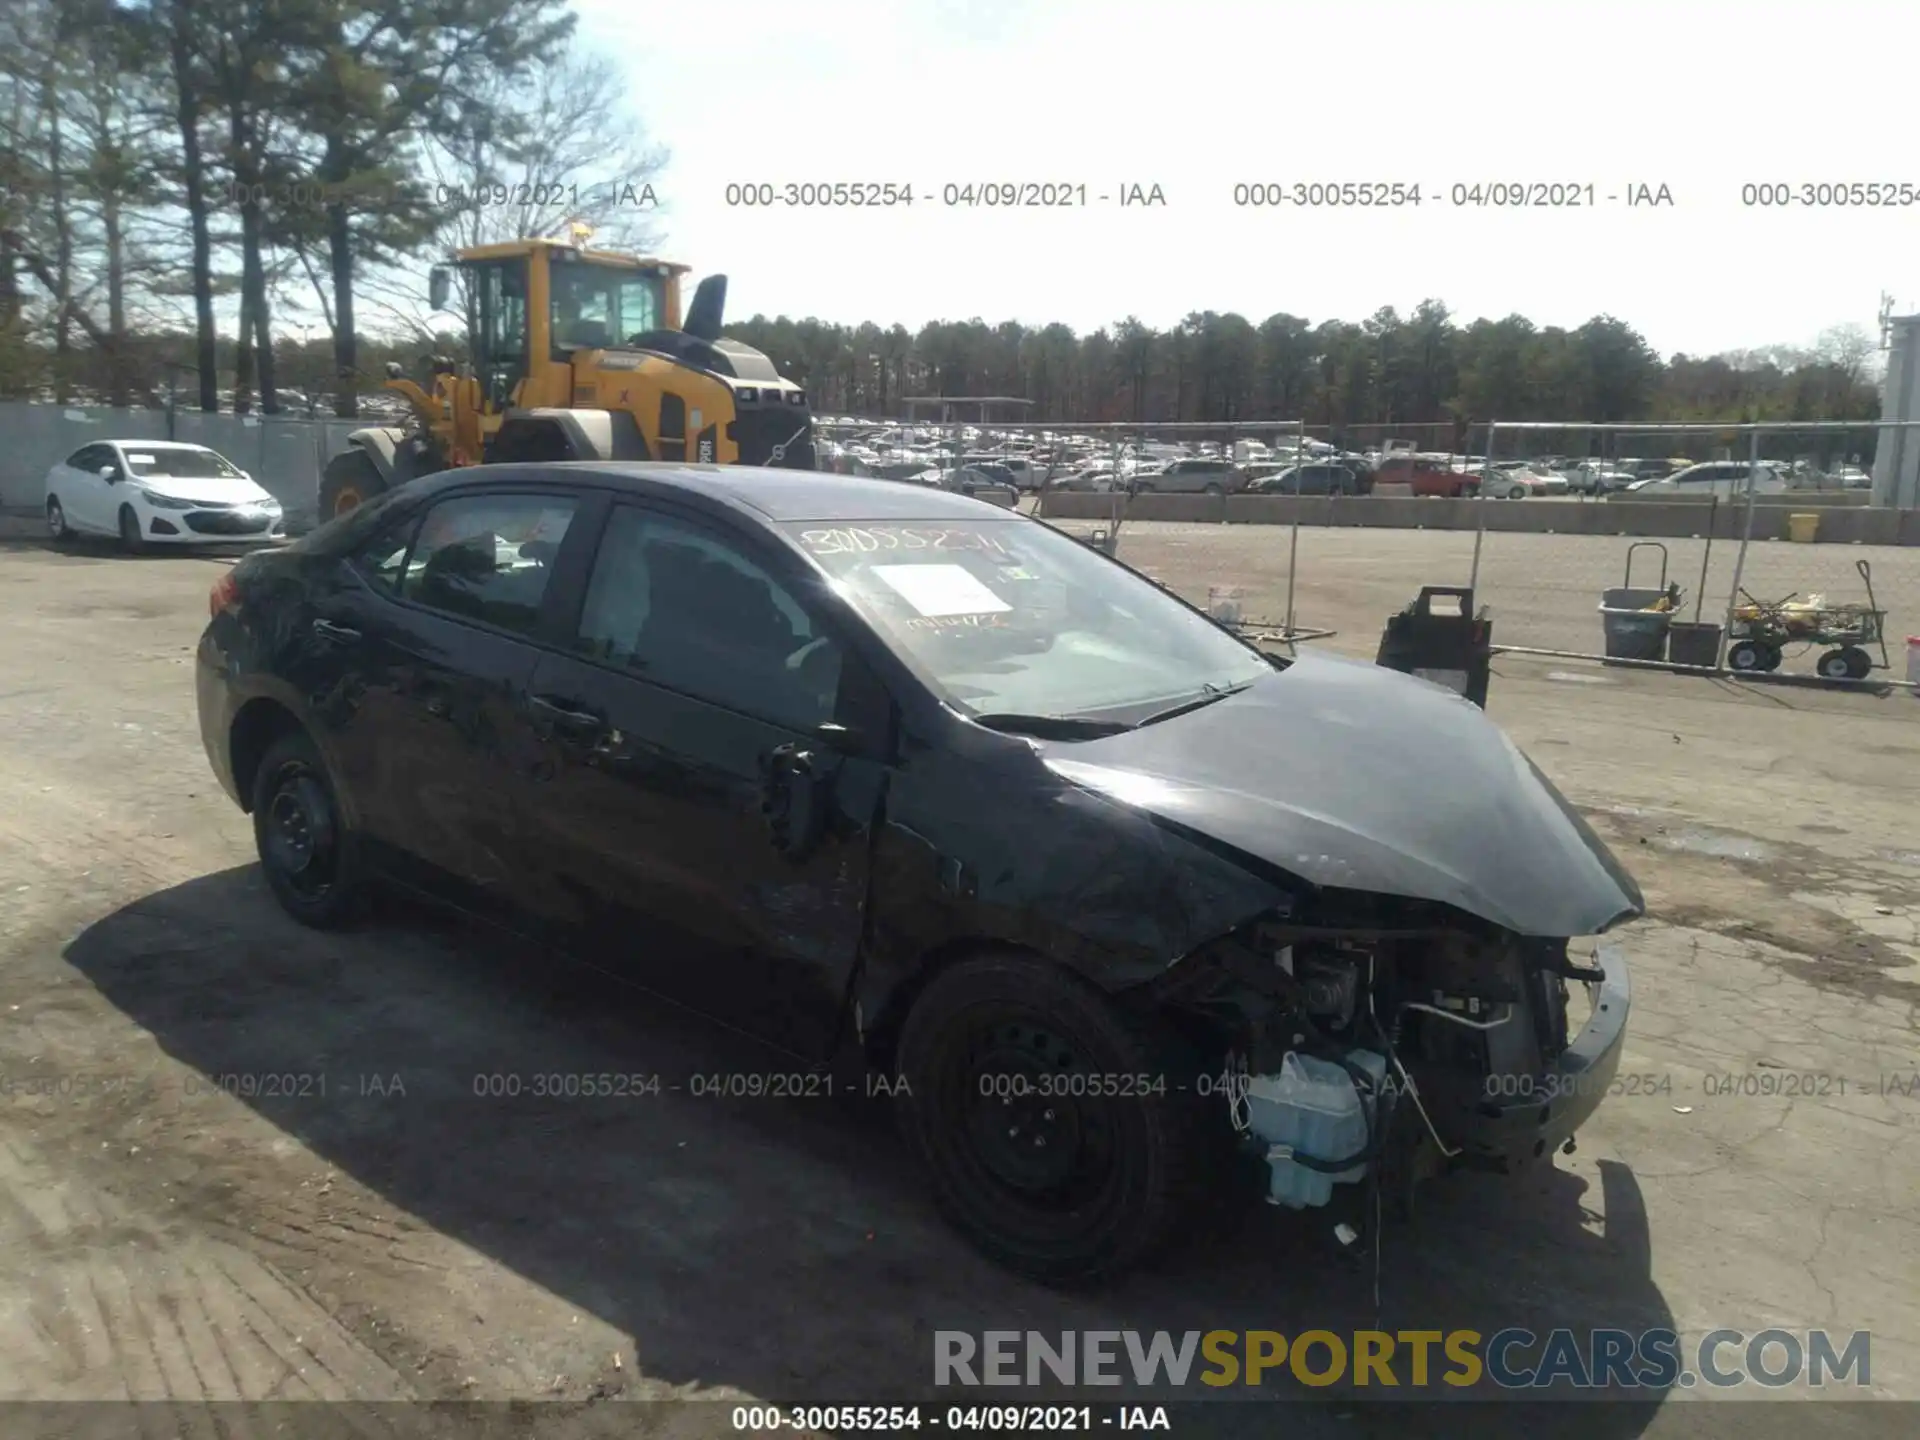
x,y
1311,1107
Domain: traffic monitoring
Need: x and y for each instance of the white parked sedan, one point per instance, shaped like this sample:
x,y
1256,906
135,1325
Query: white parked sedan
x,y
1516,480
158,492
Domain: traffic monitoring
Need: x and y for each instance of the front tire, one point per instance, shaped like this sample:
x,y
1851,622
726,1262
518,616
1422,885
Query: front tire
x,y
131,540
57,525
349,481
308,855
1060,1132
1849,662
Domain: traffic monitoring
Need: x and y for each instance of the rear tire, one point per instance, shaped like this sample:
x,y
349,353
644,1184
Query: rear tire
x,y
310,859
349,481
1068,1184
1747,655
131,540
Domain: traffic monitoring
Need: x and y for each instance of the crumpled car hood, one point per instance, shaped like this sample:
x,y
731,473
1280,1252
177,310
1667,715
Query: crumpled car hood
x,y
1356,777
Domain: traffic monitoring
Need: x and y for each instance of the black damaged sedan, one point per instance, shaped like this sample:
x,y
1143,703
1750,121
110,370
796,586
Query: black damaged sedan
x,y
1118,903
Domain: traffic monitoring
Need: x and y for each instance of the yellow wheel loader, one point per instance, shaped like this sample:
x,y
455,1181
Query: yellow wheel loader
x,y
579,354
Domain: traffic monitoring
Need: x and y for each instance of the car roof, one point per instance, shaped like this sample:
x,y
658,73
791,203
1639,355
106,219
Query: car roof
x,y
156,444
774,495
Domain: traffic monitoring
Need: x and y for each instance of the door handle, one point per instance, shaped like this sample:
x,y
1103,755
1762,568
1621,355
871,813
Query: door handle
x,y
327,630
581,719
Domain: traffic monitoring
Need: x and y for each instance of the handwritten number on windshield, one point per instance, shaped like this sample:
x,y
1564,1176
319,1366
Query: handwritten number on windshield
x,y
870,540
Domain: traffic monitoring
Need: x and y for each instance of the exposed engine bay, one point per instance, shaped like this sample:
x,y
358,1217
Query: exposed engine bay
x,y
1361,1055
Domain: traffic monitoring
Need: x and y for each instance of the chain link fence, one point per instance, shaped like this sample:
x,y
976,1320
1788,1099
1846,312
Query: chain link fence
x,y
1754,547
1299,528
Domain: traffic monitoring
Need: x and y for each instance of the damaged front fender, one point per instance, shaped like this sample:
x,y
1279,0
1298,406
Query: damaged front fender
x,y
1005,853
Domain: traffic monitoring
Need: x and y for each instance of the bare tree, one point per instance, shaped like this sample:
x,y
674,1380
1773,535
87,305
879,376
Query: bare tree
x,y
1851,350
535,159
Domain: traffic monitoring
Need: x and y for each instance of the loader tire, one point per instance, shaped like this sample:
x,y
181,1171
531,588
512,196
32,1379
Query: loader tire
x,y
349,481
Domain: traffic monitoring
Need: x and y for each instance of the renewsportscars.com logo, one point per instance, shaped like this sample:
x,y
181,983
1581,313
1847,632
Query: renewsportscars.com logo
x,y
1512,1359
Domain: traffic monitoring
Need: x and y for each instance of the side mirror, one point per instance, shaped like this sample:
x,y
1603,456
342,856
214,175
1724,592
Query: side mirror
x,y
394,370
110,473
439,287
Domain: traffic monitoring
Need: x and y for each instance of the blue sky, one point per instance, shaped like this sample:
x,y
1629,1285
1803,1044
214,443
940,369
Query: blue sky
x,y
1198,96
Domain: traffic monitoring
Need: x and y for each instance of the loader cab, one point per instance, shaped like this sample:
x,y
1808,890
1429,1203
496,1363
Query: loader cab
x,y
532,305
498,325
597,306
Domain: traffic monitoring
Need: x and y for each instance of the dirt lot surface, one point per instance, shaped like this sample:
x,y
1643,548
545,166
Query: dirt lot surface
x,y
350,1220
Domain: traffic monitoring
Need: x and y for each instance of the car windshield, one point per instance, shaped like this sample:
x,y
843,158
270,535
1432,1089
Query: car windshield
x,y
161,463
1012,617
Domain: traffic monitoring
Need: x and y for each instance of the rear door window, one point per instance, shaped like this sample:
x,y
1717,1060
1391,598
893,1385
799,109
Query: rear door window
x,y
382,559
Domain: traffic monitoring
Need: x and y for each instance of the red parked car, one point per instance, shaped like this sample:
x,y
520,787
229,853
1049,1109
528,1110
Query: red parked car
x,y
1427,475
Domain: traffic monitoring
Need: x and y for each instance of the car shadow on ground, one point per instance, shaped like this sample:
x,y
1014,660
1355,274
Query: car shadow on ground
x,y
783,1246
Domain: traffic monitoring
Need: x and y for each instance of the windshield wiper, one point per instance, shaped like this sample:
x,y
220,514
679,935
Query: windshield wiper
x,y
1211,694
1051,727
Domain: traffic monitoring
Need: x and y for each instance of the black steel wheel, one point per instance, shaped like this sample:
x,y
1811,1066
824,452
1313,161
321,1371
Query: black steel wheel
x,y
1062,1134
1835,665
1859,663
306,852
1750,655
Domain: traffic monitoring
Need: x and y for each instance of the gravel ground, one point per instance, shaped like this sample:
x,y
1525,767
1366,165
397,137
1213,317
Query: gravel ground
x,y
349,1220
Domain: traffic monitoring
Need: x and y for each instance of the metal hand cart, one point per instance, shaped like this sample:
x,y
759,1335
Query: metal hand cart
x,y
1763,629
1634,618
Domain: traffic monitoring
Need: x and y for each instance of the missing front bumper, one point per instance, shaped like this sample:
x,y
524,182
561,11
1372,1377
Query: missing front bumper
x,y
1522,1119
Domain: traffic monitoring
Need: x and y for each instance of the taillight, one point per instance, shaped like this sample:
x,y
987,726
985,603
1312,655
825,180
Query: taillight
x,y
224,596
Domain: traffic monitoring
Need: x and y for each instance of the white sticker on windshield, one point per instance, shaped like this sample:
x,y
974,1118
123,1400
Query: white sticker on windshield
x,y
142,460
936,590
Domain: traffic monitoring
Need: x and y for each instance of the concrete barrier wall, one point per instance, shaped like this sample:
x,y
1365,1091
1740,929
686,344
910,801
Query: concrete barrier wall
x,y
1797,499
1842,522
